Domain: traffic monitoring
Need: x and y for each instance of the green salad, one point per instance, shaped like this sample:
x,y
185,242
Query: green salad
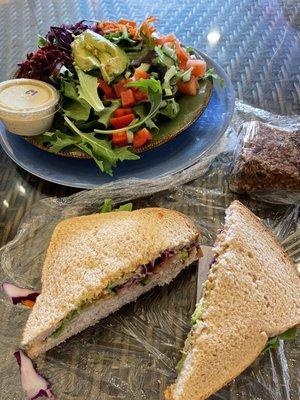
x,y
117,81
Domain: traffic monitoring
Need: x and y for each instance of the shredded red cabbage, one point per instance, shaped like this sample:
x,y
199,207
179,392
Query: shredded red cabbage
x,y
62,36
57,52
147,270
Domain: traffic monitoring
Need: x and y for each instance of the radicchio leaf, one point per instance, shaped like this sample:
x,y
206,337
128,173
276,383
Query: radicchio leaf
x,y
34,384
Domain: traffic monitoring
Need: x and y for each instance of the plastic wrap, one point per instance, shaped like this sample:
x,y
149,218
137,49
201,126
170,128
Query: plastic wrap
x,y
266,159
131,354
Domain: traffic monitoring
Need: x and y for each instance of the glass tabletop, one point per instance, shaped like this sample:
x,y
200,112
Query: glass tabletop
x,y
255,41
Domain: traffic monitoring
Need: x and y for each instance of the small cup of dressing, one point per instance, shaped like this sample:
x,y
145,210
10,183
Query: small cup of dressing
x,y
27,106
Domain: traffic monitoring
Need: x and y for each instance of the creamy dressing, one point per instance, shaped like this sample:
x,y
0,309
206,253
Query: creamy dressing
x,y
27,106
25,96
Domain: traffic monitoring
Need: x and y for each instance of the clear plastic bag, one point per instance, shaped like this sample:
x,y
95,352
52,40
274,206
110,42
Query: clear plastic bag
x,y
131,355
267,161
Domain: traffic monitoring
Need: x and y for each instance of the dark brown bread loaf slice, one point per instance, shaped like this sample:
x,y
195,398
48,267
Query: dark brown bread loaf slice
x,y
268,158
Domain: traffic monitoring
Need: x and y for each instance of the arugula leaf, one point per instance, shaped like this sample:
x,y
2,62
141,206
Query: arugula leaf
x,y
146,84
88,90
41,42
184,254
108,206
290,334
210,74
123,153
68,89
117,37
145,281
90,124
101,149
273,343
57,140
106,113
154,90
111,288
171,110
190,50
180,363
198,312
65,323
73,107
124,207
104,167
141,112
77,110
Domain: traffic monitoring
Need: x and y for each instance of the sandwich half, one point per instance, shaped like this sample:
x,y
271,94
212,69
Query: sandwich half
x,y
97,263
252,293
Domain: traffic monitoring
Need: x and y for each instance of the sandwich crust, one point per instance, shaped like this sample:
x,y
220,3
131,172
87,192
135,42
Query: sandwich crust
x,y
252,293
87,253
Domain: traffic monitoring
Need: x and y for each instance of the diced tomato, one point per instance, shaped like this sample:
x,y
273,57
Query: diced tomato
x,y
119,139
141,137
122,111
199,67
121,122
189,88
140,95
127,98
140,74
120,86
107,90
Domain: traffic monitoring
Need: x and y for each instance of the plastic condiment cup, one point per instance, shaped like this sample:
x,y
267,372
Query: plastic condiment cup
x,y
27,106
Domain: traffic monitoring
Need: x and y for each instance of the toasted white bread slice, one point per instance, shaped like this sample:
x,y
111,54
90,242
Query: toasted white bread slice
x,y
99,309
252,293
88,253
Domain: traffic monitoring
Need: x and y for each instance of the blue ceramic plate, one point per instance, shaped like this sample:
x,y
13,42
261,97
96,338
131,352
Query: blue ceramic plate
x,y
176,155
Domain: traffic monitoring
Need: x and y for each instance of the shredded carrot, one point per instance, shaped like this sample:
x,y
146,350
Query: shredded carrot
x,y
28,303
146,27
112,27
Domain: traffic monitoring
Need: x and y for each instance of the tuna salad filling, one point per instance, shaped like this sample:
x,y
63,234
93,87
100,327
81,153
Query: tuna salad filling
x,y
140,276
